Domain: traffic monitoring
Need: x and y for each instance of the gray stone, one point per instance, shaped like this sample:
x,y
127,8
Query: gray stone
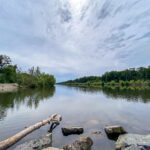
x,y
37,144
113,132
83,143
133,142
97,132
72,130
137,147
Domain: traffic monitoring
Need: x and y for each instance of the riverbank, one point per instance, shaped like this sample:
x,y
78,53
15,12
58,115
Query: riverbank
x,y
122,85
9,87
133,77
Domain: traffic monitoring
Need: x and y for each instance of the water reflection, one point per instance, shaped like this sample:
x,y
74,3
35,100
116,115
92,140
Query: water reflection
x,y
27,97
91,108
32,97
129,94
2,112
142,95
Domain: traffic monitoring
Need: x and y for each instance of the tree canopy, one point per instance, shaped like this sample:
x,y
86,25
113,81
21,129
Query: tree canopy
x,y
132,76
32,78
4,61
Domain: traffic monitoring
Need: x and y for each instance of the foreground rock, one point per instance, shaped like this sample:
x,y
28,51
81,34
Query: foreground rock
x,y
83,143
37,144
113,132
133,142
51,148
72,130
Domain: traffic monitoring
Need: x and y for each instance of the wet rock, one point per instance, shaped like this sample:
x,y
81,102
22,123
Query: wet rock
x,y
83,143
113,132
51,148
97,132
72,130
137,147
133,142
37,144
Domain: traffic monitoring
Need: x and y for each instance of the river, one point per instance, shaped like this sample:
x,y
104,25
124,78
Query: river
x,y
91,108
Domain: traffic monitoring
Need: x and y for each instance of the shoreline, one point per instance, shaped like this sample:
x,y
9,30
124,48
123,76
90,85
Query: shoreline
x,y
8,87
87,85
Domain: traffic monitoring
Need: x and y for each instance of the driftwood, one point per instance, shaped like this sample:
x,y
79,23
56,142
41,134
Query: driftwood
x,y
14,139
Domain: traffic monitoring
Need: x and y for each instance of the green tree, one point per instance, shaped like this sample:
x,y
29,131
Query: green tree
x,y
4,61
8,74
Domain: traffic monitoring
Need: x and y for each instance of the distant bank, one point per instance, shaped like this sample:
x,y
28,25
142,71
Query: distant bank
x,y
133,77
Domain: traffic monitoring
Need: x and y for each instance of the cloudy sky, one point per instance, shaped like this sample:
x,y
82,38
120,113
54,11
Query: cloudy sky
x,y
73,38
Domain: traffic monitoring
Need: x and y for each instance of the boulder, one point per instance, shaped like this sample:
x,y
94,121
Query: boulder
x,y
72,130
133,142
113,132
83,143
37,144
137,147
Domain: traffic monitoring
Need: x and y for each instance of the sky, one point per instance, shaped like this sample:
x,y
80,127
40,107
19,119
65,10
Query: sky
x,y
74,38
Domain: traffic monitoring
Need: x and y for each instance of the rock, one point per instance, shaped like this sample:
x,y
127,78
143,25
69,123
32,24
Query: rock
x,y
137,147
51,148
83,143
113,132
133,142
37,144
72,130
97,132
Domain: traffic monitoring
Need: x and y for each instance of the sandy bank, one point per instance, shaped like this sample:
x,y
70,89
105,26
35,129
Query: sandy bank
x,y
8,87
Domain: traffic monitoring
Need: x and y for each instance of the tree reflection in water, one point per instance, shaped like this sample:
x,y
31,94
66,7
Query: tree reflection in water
x,y
129,93
28,97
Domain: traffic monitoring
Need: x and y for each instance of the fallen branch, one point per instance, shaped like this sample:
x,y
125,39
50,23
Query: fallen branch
x,y
14,139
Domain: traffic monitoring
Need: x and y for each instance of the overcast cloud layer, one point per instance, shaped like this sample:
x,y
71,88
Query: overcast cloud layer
x,y
72,38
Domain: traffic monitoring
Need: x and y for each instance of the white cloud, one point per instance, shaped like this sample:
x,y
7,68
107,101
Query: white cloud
x,y
74,37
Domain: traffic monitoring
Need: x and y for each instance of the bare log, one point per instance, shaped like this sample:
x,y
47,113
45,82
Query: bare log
x,y
14,139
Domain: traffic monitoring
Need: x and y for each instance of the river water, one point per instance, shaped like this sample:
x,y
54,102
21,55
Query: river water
x,y
91,108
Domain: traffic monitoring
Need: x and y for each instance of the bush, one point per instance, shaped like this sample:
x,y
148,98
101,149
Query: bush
x,y
45,80
131,82
121,83
8,74
112,83
33,80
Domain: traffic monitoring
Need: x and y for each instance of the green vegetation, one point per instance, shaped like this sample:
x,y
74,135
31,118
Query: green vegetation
x,y
139,77
33,78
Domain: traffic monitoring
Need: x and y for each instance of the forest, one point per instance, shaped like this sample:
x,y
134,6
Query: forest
x,y
32,78
129,77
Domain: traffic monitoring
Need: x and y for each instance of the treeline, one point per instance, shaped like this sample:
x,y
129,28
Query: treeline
x,y
84,79
33,78
128,77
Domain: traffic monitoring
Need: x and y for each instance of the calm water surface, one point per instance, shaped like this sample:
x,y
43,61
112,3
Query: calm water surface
x,y
90,108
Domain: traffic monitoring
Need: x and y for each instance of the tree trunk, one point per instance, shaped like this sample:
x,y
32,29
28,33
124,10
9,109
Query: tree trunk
x,y
14,139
